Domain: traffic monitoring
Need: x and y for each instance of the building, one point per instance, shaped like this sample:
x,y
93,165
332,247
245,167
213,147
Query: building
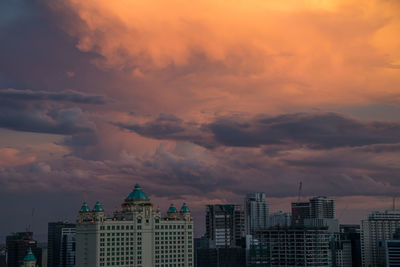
x,y
55,241
17,246
300,211
389,253
295,247
67,247
379,226
3,257
207,255
352,232
137,235
225,225
29,259
322,207
280,218
256,212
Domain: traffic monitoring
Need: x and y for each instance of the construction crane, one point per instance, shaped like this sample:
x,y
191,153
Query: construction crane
x,y
299,192
296,212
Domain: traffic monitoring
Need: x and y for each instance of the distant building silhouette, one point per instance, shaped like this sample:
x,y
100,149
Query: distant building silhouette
x,y
17,246
60,245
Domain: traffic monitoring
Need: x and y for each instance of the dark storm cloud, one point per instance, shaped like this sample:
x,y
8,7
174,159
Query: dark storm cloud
x,y
61,121
68,96
170,127
314,130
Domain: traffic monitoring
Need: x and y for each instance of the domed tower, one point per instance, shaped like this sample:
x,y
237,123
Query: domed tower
x,y
172,213
84,213
185,211
136,199
98,211
29,260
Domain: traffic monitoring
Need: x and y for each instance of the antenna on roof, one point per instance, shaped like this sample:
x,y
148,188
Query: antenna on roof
x,y
394,203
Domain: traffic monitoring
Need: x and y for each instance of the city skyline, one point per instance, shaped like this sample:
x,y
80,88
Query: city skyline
x,y
197,101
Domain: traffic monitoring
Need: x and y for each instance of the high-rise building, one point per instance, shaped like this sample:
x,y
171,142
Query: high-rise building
x,y
17,246
379,226
300,211
280,218
295,247
67,247
55,241
322,208
137,235
225,225
256,212
352,233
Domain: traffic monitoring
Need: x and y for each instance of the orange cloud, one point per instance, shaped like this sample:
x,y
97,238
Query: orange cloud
x,y
10,157
248,55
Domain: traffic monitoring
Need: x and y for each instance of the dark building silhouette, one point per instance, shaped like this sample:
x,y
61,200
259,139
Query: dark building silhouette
x,y
207,255
225,225
17,245
59,245
300,211
352,233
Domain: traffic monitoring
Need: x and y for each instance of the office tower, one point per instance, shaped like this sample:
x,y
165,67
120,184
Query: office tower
x,y
322,207
352,233
300,211
17,246
55,241
225,225
256,212
280,219
379,226
137,235
295,247
67,247
29,259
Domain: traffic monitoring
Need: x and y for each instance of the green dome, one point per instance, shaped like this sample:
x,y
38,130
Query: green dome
x,y
171,208
98,207
30,256
185,208
137,194
85,207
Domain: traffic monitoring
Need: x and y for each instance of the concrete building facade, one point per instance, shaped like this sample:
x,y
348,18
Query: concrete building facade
x,y
137,235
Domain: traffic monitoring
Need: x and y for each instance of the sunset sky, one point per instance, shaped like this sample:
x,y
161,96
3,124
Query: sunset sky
x,y
197,101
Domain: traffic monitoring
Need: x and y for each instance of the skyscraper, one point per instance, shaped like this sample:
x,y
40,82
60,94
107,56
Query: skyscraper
x,y
54,242
256,212
17,246
67,247
300,211
137,235
225,225
322,207
379,226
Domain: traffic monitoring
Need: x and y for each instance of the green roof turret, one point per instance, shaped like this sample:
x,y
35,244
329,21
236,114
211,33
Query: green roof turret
x,y
30,256
85,207
137,194
185,208
172,208
98,207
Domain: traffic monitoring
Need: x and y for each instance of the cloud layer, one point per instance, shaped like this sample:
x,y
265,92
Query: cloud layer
x,y
197,101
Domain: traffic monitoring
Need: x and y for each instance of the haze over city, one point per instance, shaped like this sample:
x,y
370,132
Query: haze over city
x,y
198,102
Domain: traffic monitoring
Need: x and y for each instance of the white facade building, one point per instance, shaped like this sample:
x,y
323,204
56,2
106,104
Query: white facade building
x,y
137,235
378,227
256,213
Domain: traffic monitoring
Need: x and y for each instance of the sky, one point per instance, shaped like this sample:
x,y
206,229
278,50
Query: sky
x,y
198,102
